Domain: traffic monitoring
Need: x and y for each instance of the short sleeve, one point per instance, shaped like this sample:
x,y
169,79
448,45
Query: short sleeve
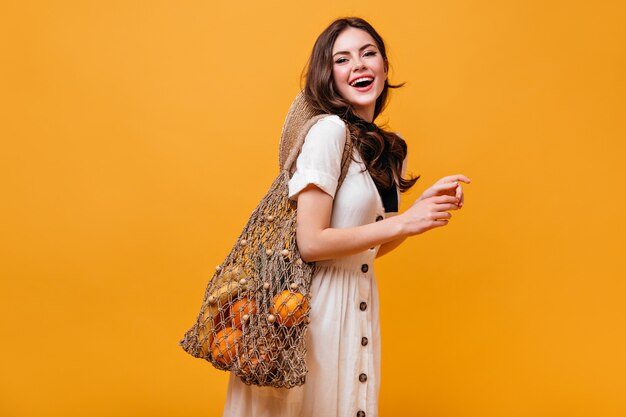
x,y
319,162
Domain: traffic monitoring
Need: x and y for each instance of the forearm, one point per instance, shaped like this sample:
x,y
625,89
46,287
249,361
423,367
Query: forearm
x,y
332,243
318,241
385,248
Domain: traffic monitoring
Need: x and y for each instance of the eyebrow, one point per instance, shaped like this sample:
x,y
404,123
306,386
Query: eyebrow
x,y
360,49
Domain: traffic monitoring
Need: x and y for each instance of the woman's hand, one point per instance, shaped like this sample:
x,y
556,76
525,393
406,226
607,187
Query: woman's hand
x,y
447,186
428,213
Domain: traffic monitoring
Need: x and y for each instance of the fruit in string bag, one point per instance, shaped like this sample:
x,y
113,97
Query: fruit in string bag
x,y
289,307
209,324
224,347
226,292
241,311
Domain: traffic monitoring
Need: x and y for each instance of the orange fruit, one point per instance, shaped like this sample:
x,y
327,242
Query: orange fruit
x,y
224,347
289,308
240,308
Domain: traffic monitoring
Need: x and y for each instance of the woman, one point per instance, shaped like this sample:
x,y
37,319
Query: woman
x,y
343,229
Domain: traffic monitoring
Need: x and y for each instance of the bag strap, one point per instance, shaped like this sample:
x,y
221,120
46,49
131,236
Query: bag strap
x,y
300,118
296,147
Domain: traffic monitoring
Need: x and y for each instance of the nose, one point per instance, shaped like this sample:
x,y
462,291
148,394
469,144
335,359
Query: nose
x,y
358,64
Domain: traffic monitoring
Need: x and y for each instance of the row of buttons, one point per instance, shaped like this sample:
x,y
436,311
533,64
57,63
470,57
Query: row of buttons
x,y
364,341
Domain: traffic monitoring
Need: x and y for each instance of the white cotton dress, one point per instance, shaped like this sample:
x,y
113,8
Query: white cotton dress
x,y
343,338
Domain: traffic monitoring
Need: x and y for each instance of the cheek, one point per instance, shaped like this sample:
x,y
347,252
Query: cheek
x,y
339,77
382,68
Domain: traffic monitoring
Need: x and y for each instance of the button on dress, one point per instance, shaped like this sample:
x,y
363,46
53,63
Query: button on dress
x,y
343,338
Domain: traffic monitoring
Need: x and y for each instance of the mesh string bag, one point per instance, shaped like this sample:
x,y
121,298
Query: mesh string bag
x,y
255,310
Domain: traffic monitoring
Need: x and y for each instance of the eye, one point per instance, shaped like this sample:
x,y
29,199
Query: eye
x,y
369,53
340,60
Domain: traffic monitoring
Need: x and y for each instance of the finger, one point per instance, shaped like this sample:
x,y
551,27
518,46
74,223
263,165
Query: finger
x,y
459,191
446,185
448,178
457,177
440,188
446,207
462,200
438,223
440,215
462,178
442,199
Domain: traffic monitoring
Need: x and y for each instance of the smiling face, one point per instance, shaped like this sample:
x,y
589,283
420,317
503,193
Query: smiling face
x,y
359,70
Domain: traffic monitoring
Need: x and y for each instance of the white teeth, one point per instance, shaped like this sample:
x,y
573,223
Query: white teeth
x,y
361,79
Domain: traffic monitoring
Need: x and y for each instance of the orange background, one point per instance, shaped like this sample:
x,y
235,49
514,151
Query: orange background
x,y
138,136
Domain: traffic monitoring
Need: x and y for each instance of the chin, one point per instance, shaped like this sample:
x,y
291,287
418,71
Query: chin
x,y
362,104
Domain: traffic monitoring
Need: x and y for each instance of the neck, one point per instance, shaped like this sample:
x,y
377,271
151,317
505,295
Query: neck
x,y
366,115
358,120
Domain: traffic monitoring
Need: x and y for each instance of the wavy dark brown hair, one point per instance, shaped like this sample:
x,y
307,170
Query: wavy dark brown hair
x,y
383,152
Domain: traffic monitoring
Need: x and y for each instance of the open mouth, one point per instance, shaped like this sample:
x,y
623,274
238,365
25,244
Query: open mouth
x,y
362,82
